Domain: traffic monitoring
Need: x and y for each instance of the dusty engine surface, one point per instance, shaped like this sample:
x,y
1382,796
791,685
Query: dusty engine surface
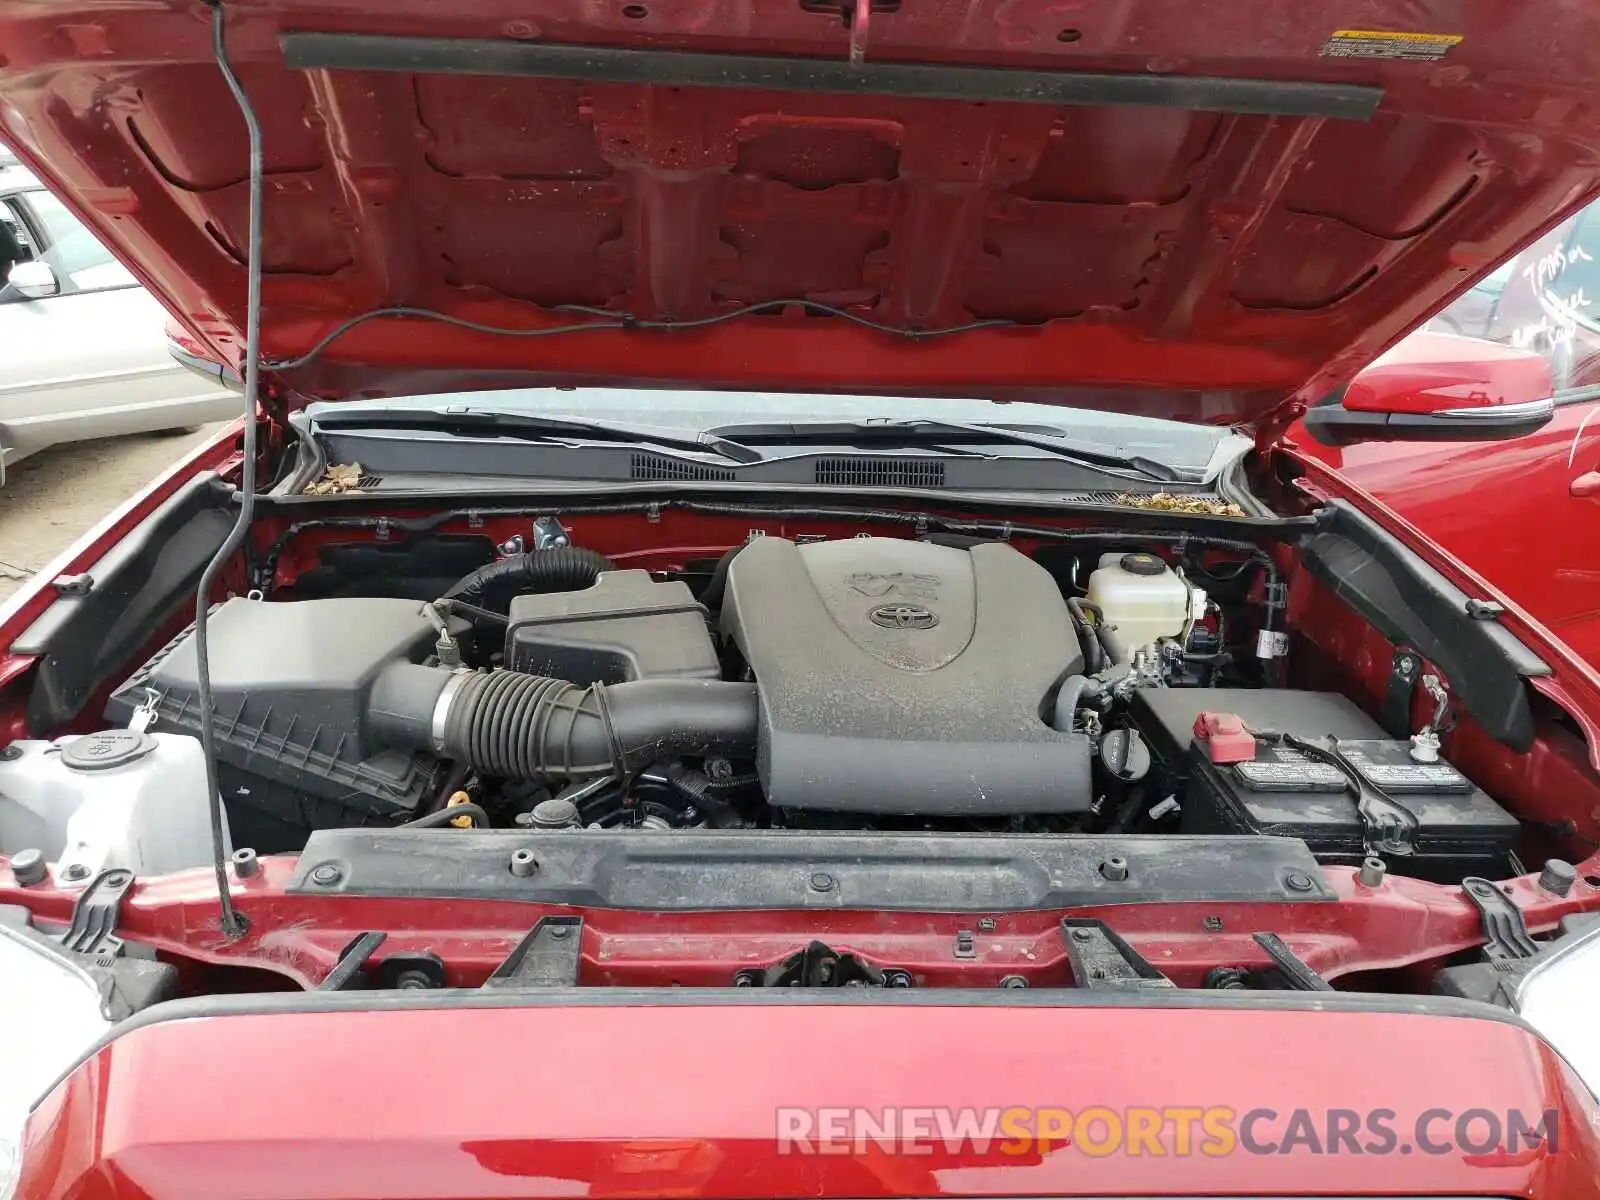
x,y
903,677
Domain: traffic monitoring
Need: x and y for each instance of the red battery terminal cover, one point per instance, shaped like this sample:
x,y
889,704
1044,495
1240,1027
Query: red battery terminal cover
x,y
1224,737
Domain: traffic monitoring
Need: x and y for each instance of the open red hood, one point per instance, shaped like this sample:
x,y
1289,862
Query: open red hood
x,y
1198,211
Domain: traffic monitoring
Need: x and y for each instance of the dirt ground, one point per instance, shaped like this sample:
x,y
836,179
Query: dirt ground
x,y
52,497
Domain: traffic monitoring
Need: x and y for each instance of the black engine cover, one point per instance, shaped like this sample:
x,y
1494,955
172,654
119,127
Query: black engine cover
x,y
902,677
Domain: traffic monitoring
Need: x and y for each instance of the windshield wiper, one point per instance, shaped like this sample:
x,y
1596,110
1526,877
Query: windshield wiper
x,y
472,422
940,434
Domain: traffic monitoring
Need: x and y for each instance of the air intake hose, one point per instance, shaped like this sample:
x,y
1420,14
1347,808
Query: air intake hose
x,y
516,726
562,569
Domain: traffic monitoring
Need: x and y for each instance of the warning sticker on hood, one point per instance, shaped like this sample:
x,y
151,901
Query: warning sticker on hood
x,y
1378,43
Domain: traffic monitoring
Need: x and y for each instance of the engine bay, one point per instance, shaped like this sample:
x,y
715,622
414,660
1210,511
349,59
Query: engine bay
x,y
936,684
606,719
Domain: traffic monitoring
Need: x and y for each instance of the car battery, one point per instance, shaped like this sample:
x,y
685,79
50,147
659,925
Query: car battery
x,y
1281,791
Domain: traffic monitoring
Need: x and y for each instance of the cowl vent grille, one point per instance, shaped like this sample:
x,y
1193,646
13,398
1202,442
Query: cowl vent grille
x,y
651,466
880,472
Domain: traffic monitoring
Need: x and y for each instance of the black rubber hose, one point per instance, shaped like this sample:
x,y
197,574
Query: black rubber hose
x,y
1068,701
563,569
1098,651
515,726
444,816
478,616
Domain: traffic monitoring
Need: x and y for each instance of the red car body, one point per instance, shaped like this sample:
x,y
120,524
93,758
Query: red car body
x,y
1213,216
151,1115
1524,512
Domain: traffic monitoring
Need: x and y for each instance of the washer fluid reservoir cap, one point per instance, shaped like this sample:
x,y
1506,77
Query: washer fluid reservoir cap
x,y
1141,564
106,749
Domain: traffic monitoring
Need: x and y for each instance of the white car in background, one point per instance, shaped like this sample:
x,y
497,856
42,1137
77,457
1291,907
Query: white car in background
x,y
83,352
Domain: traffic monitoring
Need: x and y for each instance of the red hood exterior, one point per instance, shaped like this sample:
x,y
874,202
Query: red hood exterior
x,y
612,1099
1181,258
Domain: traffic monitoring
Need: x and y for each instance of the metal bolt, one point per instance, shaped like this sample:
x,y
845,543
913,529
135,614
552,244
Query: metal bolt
x,y
1083,935
326,874
75,872
10,753
1013,982
1115,869
820,881
896,979
512,545
1299,881
1373,869
719,769
560,932
1212,924
245,863
523,863
986,924
1557,877
413,980
28,866
744,979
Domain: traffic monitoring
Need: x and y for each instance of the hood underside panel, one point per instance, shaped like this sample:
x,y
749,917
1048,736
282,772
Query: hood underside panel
x,y
1195,211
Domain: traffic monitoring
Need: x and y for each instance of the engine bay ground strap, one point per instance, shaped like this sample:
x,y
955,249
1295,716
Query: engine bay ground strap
x,y
722,870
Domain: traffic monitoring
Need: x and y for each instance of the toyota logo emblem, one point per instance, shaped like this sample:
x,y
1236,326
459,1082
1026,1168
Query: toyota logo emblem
x,y
904,616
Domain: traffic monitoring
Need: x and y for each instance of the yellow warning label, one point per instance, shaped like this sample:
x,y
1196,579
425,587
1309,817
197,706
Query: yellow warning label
x,y
1381,43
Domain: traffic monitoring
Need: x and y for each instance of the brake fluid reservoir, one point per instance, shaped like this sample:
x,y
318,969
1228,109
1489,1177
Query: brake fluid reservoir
x,y
116,798
1142,600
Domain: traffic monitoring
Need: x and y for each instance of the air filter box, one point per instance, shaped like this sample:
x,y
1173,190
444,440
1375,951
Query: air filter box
x,y
289,686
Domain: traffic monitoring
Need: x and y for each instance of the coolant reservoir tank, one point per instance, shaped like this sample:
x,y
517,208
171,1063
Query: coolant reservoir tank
x,y
115,798
1142,599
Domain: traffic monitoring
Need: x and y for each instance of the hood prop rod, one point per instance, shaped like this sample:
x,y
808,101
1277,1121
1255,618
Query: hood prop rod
x,y
234,923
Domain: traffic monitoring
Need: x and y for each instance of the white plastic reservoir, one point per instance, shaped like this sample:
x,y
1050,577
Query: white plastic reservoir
x,y
1143,599
115,798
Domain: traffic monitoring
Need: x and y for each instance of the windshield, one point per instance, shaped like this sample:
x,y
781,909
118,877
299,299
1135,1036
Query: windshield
x,y
690,412
1546,299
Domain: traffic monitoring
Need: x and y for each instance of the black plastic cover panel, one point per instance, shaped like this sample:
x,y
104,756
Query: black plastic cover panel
x,y
718,870
289,687
626,626
1413,605
906,677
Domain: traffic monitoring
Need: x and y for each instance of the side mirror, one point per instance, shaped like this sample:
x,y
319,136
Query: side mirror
x,y
1435,387
34,280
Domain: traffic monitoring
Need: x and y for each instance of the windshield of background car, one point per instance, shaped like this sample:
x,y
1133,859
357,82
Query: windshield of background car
x,y
1545,299
80,261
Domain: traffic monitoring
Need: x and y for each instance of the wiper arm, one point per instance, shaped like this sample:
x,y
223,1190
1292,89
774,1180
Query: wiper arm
x,y
936,434
537,426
